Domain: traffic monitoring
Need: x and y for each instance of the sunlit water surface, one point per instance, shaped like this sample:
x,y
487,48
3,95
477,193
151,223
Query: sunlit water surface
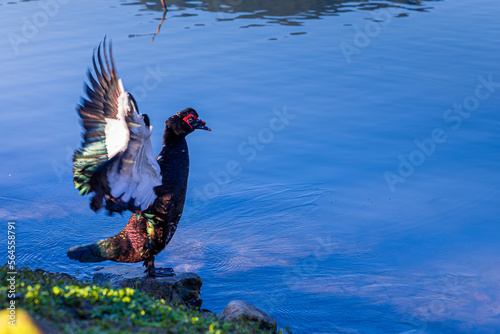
x,y
344,217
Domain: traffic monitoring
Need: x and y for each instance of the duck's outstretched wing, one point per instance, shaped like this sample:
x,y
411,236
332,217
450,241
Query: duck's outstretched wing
x,y
116,160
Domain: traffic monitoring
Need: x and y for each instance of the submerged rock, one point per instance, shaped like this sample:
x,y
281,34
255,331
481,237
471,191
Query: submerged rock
x,y
182,288
240,310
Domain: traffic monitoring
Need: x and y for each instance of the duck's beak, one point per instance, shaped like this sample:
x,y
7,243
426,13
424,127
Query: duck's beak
x,y
199,124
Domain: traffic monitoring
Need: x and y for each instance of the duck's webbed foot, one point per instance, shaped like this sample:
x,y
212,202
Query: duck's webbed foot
x,y
156,272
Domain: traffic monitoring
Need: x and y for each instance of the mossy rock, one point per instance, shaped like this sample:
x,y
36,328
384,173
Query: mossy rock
x,y
67,305
182,288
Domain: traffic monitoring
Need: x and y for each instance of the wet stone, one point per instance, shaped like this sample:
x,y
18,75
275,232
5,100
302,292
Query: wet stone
x,y
183,288
240,310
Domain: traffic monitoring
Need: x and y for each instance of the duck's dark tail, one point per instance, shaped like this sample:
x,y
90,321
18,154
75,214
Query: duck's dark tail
x,y
130,245
88,253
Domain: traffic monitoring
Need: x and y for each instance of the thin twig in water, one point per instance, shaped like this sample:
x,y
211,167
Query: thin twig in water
x,y
161,22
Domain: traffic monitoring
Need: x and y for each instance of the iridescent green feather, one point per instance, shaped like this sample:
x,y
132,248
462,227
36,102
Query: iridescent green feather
x,y
86,161
101,103
151,223
106,249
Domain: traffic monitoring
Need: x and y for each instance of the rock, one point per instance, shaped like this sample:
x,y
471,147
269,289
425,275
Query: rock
x,y
240,310
182,288
56,276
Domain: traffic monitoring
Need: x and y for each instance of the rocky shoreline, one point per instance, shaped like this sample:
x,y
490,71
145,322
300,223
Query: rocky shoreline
x,y
183,288
122,299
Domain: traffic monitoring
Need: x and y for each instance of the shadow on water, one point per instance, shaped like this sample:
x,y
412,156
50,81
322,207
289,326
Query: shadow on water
x,y
283,12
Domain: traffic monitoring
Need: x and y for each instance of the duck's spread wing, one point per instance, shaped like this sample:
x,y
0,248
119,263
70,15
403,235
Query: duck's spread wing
x,y
134,173
101,104
116,160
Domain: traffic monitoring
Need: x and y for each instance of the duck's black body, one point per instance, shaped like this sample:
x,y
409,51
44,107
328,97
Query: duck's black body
x,y
134,243
150,229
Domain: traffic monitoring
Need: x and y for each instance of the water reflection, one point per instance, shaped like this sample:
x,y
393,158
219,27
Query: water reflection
x,y
285,12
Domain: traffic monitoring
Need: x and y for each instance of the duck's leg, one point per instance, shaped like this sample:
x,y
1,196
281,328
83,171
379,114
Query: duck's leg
x,y
149,263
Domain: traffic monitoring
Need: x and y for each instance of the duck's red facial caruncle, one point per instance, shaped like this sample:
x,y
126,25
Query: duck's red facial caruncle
x,y
195,123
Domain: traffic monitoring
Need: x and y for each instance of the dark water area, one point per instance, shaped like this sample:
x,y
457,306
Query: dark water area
x,y
366,136
283,12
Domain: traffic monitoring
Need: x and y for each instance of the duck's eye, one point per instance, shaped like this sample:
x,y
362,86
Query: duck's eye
x,y
189,118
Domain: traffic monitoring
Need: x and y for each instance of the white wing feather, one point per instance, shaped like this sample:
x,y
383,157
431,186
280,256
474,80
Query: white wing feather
x,y
116,130
136,172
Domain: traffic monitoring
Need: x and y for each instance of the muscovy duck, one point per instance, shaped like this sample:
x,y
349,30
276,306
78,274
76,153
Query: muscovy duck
x,y
116,163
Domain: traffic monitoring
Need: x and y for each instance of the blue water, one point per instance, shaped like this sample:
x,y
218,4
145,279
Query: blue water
x,y
370,206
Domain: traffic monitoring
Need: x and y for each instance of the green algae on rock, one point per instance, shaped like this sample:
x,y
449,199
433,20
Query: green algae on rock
x,y
72,306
